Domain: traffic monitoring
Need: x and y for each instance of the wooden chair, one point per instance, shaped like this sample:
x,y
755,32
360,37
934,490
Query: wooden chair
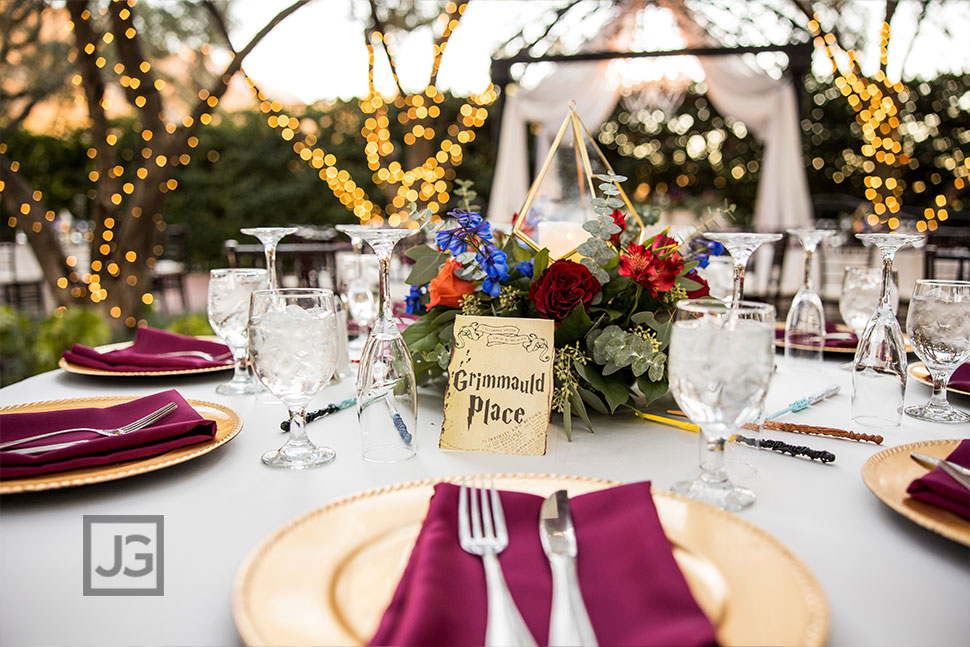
x,y
946,263
170,270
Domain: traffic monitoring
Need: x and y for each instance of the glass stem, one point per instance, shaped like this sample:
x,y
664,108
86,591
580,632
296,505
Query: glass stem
x,y
270,251
240,365
384,305
297,426
809,260
940,378
887,277
712,456
738,281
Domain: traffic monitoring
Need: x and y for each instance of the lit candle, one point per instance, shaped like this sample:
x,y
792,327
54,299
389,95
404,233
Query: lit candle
x,y
561,237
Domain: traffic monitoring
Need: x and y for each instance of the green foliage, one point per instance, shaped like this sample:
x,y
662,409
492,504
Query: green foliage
x,y
193,325
59,332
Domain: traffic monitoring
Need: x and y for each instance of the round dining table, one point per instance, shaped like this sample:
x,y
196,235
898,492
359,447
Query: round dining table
x,y
886,580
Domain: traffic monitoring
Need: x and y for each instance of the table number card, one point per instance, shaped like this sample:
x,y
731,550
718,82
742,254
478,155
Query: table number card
x,y
499,390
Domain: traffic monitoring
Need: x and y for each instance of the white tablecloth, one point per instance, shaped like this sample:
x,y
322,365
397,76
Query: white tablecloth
x,y
887,580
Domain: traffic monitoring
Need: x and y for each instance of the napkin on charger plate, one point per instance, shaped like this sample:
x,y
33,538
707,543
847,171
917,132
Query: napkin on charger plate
x,y
145,353
183,426
634,591
937,488
960,379
843,340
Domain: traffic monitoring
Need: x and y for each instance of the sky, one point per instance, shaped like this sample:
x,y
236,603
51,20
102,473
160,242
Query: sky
x,y
319,51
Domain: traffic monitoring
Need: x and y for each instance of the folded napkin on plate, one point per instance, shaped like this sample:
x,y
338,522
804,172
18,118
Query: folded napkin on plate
x,y
830,342
939,489
145,353
183,426
960,378
634,591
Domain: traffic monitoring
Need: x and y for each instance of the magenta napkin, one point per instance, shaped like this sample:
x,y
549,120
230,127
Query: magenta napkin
x,y
830,328
183,426
961,378
144,354
939,489
634,591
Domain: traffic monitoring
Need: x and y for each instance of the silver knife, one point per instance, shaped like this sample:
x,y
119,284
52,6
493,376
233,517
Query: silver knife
x,y
569,624
958,473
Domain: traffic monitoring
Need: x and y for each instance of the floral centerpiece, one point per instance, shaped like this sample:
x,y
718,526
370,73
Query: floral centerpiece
x,y
612,309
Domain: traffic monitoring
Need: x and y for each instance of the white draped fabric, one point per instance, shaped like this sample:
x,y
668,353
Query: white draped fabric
x,y
766,106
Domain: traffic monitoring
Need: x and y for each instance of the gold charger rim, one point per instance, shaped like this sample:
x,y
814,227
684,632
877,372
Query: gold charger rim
x,y
923,514
817,626
87,370
99,474
919,372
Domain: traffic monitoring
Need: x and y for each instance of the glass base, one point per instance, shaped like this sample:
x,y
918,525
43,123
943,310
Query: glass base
x,y
388,454
241,387
722,494
300,457
878,422
946,414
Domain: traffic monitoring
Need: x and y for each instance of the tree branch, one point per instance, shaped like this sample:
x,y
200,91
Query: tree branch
x,y
379,26
131,55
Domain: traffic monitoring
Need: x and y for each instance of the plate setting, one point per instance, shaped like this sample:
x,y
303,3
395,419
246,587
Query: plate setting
x,y
327,577
919,372
888,473
87,370
228,424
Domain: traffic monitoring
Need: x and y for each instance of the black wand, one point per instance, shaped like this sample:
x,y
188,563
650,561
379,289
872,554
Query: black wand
x,y
793,450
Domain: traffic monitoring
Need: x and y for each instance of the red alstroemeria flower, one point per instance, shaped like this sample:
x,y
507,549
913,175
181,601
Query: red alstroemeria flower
x,y
620,221
654,270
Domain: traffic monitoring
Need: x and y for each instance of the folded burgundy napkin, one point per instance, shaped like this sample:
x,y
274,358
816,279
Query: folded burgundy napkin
x,y
633,589
937,487
961,378
830,328
146,353
183,426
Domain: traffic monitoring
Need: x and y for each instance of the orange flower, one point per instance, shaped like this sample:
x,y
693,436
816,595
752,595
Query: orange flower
x,y
446,289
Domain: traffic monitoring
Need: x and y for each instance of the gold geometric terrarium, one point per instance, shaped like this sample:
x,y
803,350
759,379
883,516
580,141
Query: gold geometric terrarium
x,y
559,200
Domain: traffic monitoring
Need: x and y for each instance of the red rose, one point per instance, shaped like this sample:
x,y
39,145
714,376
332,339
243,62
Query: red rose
x,y
561,287
655,268
703,291
620,221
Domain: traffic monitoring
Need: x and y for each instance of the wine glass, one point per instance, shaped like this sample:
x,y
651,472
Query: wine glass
x,y
361,302
293,343
387,405
228,310
270,236
740,246
860,296
721,361
879,367
938,324
805,324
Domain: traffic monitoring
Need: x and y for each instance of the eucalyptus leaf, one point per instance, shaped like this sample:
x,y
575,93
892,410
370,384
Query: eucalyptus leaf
x,y
614,203
593,400
651,390
567,420
577,404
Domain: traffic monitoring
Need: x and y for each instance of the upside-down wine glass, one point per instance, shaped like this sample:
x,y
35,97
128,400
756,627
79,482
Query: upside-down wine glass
x,y
270,237
228,310
740,246
938,324
860,296
805,324
361,304
721,361
879,370
293,342
387,404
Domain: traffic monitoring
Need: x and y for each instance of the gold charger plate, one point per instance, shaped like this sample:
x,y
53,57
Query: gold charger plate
x,y
888,473
919,372
87,370
326,577
228,424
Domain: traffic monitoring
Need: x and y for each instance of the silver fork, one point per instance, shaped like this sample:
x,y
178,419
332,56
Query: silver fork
x,y
197,353
486,536
141,423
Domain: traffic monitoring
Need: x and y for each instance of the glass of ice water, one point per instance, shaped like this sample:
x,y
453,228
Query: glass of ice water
x,y
938,325
293,343
228,310
721,361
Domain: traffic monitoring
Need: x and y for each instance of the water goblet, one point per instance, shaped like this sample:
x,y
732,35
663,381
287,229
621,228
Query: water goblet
x,y
721,362
805,324
740,246
387,405
228,310
270,237
938,324
879,367
293,343
860,296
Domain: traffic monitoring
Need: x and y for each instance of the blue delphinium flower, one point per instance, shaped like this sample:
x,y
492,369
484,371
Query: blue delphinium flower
x,y
413,299
493,260
714,248
703,260
492,285
526,268
472,223
452,240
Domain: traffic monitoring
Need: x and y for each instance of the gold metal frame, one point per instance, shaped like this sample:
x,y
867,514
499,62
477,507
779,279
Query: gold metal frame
x,y
583,167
